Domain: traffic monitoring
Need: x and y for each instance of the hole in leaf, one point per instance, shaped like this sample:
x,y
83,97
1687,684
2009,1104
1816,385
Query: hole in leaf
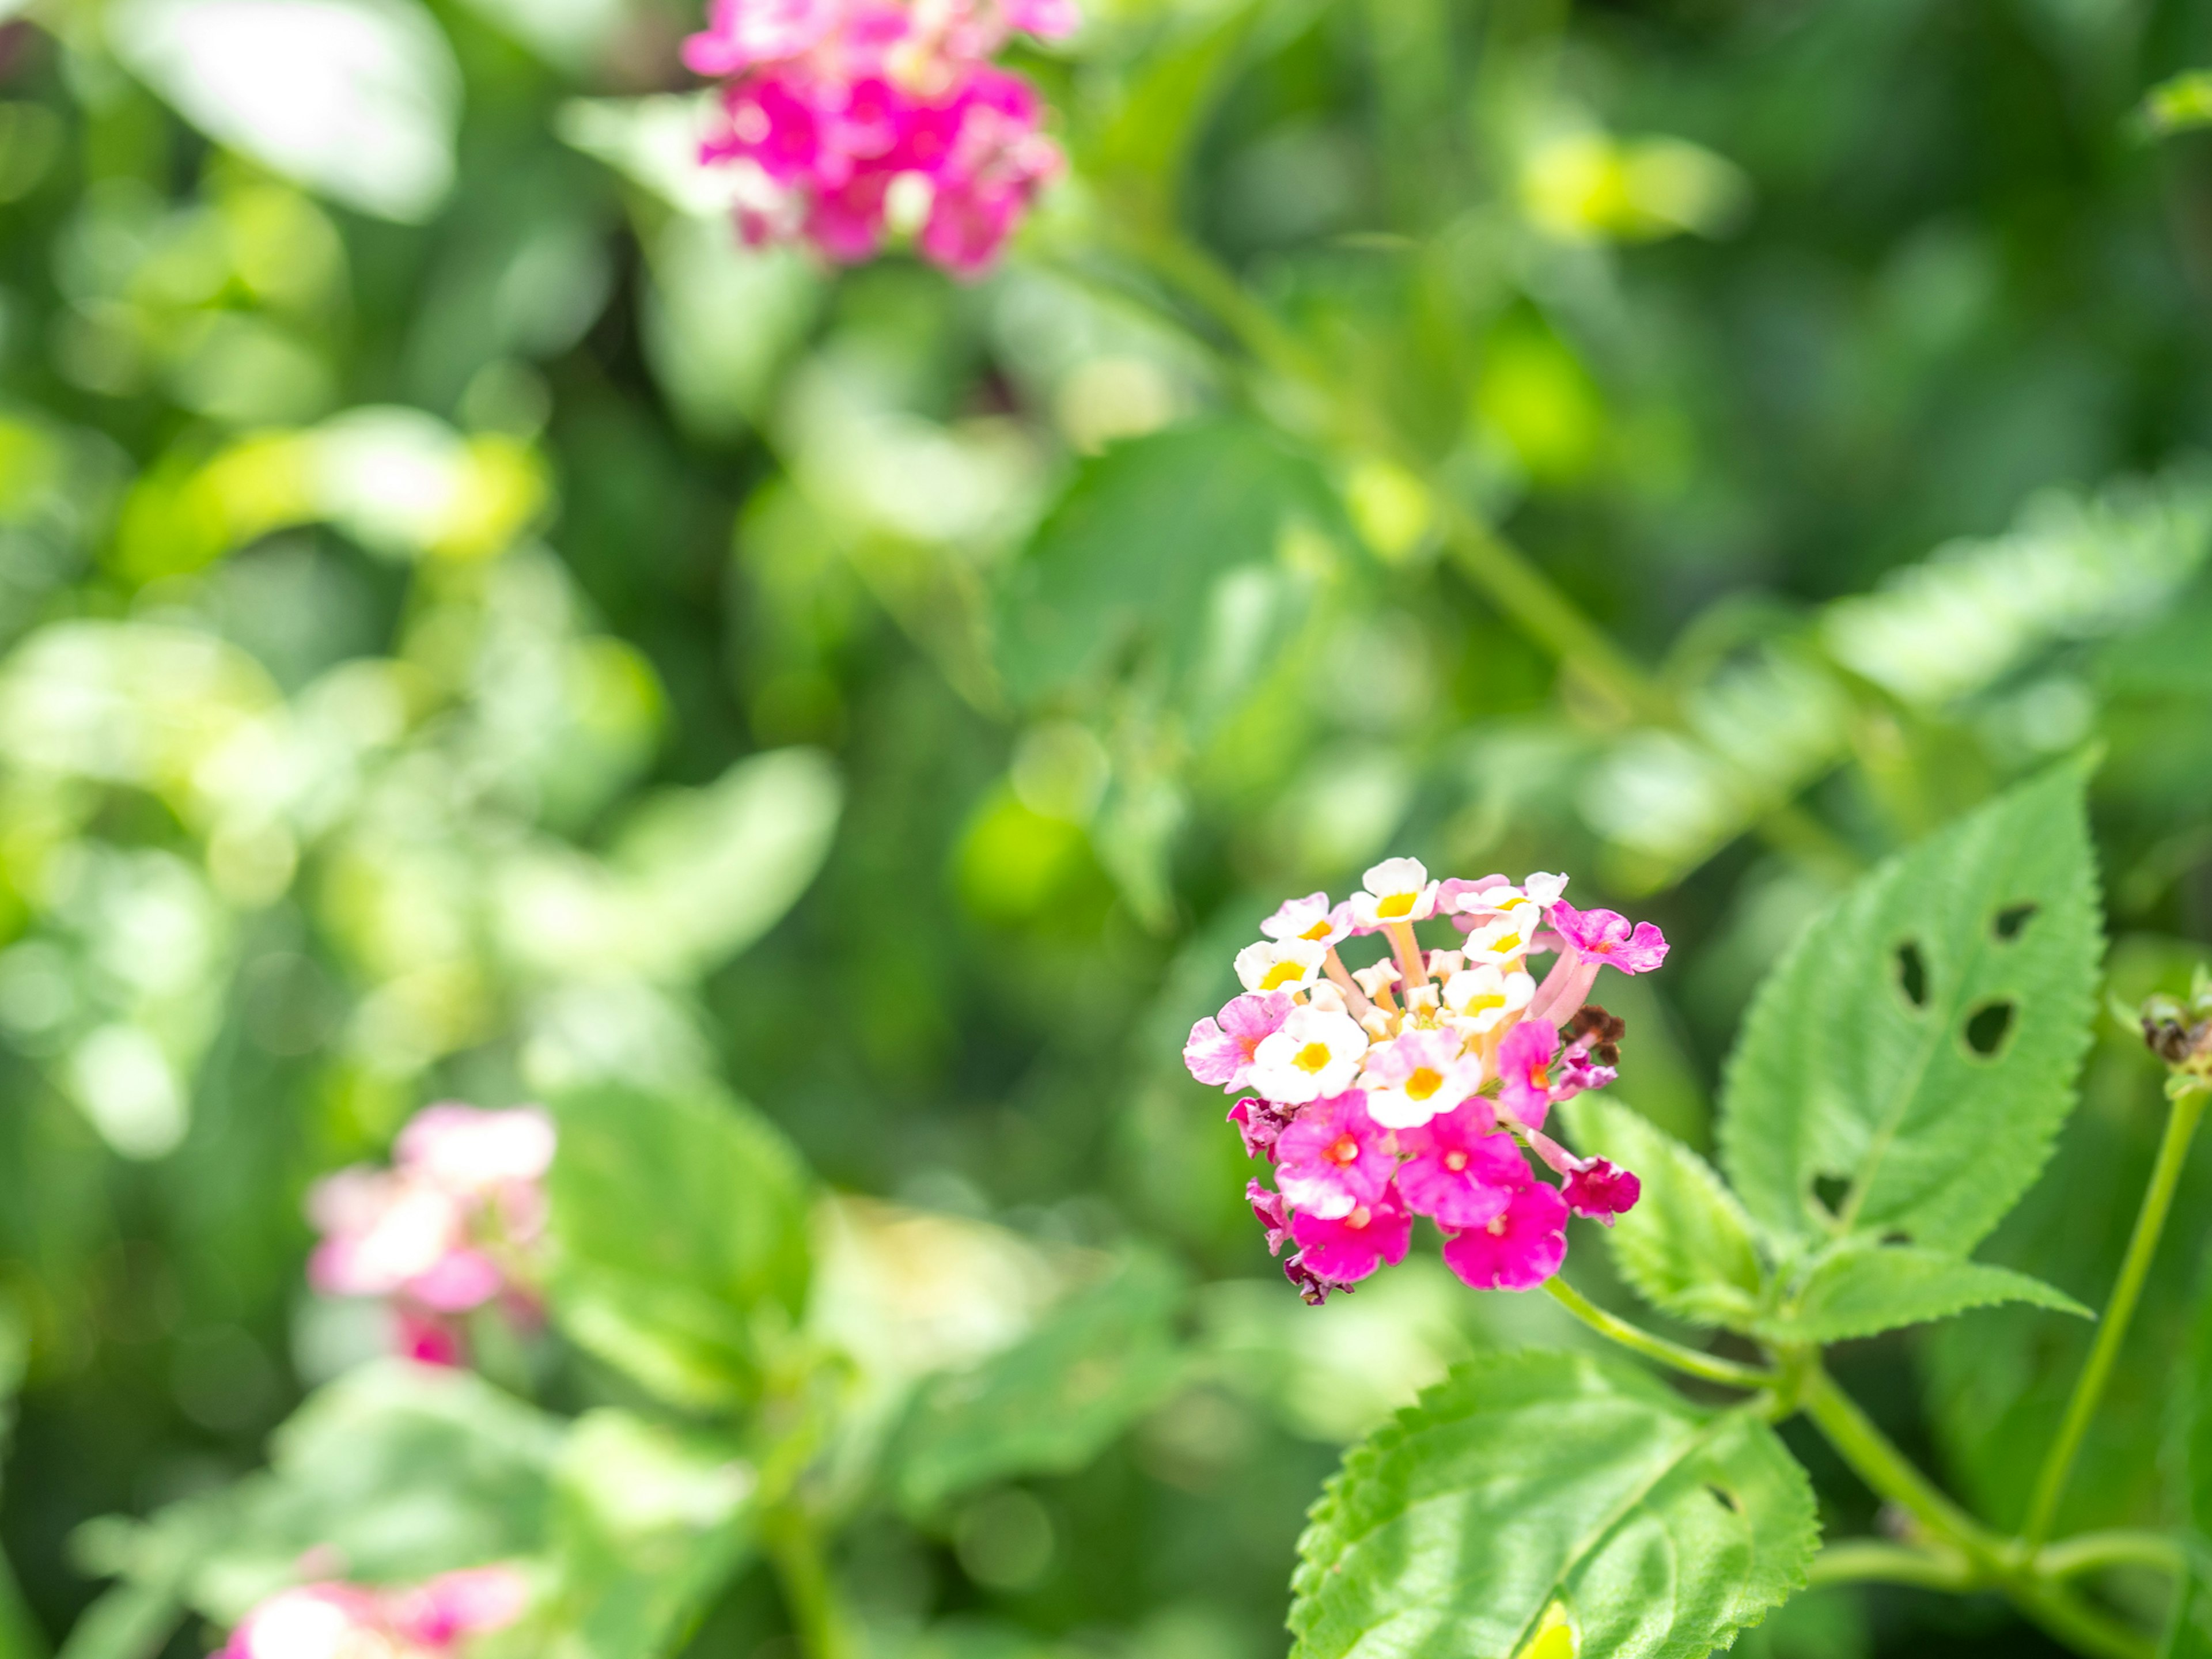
x,y
1912,974
1832,1190
2013,918
1896,1237
1987,1028
1727,1499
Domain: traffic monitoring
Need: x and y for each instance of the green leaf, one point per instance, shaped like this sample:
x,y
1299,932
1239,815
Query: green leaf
x,y
1860,1288
2181,103
1686,1248
1172,546
1531,1484
1053,1401
401,1471
1905,1068
2189,1627
649,1523
679,1228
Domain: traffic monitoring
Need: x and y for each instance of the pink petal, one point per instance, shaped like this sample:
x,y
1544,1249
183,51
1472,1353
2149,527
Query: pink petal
x,y
1519,1249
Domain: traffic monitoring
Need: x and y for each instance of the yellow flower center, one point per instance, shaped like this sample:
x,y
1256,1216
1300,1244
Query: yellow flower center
x,y
1282,973
1318,931
1395,907
1346,1151
1424,1082
1482,1001
1312,1058
1455,1162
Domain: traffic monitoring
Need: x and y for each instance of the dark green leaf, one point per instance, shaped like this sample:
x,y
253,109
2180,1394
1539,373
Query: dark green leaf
x,y
1860,1288
679,1222
1053,1401
1905,1068
1687,1247
1168,546
1533,1484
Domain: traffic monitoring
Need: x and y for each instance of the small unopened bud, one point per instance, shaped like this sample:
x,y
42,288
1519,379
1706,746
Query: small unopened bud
x,y
2180,1033
1600,1031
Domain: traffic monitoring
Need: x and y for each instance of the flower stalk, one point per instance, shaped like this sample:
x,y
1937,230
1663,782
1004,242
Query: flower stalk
x,y
1712,1368
2186,1110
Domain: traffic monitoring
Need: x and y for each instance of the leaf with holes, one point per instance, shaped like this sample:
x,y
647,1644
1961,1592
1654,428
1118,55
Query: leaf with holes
x,y
1905,1068
1687,1247
1861,1287
1530,1488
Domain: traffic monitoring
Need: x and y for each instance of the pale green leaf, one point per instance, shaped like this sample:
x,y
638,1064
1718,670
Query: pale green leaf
x,y
1533,1480
1686,1248
1860,1097
1053,1401
357,99
1863,1287
2181,103
402,1470
649,1523
679,1227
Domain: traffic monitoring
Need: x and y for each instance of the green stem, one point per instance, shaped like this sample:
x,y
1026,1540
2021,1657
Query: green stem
x,y
1711,1367
2121,1547
1891,1473
1991,1559
810,1594
2081,1627
1866,1560
2188,1106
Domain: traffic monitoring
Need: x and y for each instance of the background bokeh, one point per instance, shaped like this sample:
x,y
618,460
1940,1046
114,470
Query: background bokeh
x,y
469,627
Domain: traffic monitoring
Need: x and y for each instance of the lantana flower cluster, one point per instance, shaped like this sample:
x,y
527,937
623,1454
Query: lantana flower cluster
x,y
337,1620
454,1225
1420,1084
840,116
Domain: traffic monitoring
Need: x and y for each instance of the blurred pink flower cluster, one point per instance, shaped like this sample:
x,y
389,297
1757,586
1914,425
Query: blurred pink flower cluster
x,y
842,115
335,1620
453,1224
1412,1086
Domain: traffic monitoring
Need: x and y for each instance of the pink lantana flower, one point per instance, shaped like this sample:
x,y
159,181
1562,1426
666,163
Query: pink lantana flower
x,y
1524,1071
1345,1249
827,104
1220,1052
1602,1190
1462,1173
1314,1052
1267,1210
454,1225
1609,937
1365,1084
1333,1158
1411,1078
347,1621
1518,1249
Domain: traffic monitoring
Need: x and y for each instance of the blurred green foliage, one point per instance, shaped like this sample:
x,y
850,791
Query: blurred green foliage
x,y
471,629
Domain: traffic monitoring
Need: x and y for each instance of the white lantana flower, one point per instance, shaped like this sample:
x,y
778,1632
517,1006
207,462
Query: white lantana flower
x,y
1485,996
1316,1052
1397,889
1289,964
1502,940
